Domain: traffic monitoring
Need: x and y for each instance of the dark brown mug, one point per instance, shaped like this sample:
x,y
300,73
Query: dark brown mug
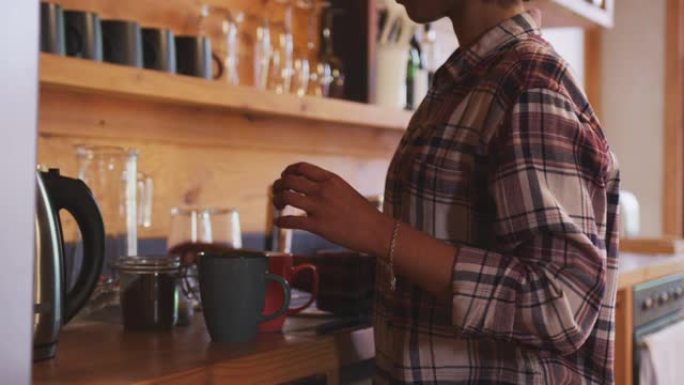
x,y
122,42
159,49
194,57
52,33
83,35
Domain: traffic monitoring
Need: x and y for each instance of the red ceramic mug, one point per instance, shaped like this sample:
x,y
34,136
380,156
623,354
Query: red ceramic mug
x,y
282,264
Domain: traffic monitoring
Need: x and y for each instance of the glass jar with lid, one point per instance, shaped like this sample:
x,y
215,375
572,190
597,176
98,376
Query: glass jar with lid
x,y
149,294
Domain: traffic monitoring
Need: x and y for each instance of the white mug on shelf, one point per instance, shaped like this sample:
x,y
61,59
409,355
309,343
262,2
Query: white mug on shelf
x,y
390,79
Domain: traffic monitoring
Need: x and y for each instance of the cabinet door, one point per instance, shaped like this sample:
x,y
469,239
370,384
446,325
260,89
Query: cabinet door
x,y
624,329
19,28
575,13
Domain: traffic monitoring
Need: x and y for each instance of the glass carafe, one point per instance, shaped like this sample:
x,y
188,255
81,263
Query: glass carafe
x,y
229,48
124,196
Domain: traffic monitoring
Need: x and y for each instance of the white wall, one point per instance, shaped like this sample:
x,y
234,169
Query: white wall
x,y
569,43
633,102
18,100
446,39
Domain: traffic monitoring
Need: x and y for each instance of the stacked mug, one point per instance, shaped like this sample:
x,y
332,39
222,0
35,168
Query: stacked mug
x,y
83,34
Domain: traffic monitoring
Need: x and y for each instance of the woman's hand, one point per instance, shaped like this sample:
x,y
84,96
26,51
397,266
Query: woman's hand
x,y
334,210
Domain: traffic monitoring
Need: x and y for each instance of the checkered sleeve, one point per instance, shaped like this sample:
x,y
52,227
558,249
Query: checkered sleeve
x,y
544,284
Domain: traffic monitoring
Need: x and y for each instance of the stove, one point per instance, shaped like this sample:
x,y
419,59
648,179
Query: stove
x,y
657,305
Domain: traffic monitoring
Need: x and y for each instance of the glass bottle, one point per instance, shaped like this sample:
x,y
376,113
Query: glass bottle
x,y
421,82
413,67
302,58
330,68
320,74
429,51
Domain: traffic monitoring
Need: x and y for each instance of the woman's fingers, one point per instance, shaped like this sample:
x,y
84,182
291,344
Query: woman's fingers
x,y
290,198
296,183
309,171
295,223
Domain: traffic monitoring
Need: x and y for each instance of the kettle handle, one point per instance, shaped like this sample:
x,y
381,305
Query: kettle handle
x,y
75,197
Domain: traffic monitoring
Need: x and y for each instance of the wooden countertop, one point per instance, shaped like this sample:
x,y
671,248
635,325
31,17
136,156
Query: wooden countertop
x,y
638,268
102,353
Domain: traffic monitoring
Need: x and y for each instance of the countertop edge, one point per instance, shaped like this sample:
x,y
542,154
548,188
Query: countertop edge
x,y
638,268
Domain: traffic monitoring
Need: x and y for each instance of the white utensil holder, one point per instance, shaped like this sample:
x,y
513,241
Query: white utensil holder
x,y
390,79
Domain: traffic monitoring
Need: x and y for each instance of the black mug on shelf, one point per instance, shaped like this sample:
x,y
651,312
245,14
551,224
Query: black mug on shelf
x,y
159,49
83,35
194,57
52,35
122,42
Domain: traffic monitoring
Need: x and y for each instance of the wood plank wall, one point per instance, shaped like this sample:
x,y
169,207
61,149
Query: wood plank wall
x,y
197,156
232,171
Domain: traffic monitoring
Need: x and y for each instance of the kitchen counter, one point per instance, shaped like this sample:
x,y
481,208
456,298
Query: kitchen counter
x,y
97,353
638,268
102,353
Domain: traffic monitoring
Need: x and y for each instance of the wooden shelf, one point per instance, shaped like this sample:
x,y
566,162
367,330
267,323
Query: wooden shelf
x,y
574,13
103,78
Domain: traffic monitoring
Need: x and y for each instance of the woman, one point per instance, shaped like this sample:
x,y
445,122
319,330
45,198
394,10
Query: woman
x,y
499,235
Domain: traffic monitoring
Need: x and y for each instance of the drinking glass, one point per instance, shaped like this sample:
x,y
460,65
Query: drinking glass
x,y
281,66
262,54
217,20
303,55
196,230
230,27
301,76
230,23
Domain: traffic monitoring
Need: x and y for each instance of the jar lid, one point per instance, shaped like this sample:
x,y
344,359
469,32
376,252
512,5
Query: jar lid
x,y
148,264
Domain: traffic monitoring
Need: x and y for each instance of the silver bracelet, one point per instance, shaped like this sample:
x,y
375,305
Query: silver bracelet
x,y
390,257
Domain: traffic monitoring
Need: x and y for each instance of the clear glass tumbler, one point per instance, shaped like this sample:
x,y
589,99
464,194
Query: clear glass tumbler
x,y
196,230
262,54
281,67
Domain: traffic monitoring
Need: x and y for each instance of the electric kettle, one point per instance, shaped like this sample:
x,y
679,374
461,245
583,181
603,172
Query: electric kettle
x,y
54,303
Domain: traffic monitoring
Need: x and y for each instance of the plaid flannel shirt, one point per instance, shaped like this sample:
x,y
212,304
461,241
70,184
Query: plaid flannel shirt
x,y
506,160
